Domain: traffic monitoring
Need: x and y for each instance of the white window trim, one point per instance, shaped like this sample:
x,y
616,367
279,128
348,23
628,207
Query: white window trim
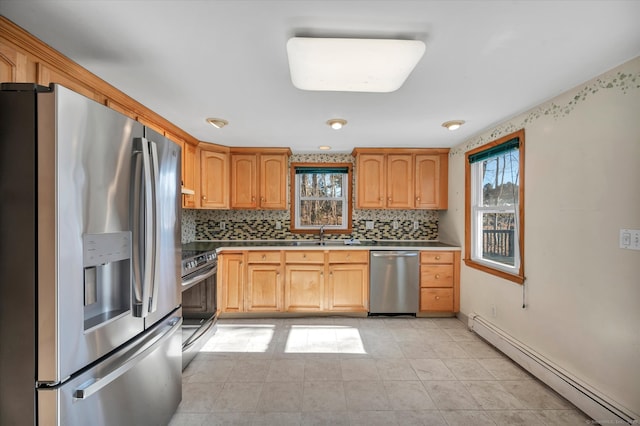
x,y
344,199
476,219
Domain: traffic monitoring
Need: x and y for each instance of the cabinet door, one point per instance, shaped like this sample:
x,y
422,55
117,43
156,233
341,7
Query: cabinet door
x,y
264,288
370,181
13,65
213,180
273,181
400,181
348,288
231,282
431,181
243,181
304,288
188,174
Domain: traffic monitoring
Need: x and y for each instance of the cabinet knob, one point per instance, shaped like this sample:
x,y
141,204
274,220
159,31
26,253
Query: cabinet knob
x,y
304,256
253,198
417,198
437,297
438,257
204,198
261,198
437,276
264,256
389,198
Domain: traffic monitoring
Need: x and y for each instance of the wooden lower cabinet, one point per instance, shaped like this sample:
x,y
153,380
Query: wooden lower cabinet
x,y
264,281
440,281
348,288
304,284
304,288
294,281
348,283
231,281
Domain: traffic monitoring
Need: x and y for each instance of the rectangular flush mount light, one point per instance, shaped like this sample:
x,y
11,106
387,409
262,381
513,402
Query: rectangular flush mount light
x,y
351,64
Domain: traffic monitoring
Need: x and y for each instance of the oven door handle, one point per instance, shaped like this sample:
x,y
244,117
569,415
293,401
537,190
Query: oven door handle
x,y
187,284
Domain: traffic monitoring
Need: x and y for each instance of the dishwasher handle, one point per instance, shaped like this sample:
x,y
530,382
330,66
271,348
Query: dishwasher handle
x,y
394,254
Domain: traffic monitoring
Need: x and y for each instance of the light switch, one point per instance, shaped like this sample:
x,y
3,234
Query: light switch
x,y
369,224
630,239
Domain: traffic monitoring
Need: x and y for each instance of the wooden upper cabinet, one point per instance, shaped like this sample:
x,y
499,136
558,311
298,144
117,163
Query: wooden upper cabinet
x,y
431,181
273,181
370,177
214,179
400,181
244,171
189,175
401,178
259,179
13,66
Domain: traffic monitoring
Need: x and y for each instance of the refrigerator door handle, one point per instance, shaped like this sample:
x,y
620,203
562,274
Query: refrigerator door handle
x,y
93,385
153,291
143,222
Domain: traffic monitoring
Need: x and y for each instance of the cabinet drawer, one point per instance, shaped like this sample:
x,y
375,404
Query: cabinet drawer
x,y
344,256
436,299
436,257
311,256
436,276
263,257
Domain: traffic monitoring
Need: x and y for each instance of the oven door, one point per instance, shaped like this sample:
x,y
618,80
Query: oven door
x,y
199,312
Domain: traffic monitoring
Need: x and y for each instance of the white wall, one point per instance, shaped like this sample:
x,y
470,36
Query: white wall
x,y
582,184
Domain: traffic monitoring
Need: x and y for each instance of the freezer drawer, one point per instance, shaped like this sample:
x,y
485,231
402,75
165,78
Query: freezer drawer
x,y
139,385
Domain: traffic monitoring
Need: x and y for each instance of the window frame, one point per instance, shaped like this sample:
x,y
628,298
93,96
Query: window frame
x,y
348,187
470,195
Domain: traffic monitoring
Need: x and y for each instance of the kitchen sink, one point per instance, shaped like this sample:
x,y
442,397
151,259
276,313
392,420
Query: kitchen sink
x,y
318,243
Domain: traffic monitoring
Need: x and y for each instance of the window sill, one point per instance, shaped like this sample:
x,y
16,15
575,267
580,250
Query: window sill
x,y
518,279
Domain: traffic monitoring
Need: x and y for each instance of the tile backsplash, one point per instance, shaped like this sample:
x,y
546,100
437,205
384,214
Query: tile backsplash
x,y
263,224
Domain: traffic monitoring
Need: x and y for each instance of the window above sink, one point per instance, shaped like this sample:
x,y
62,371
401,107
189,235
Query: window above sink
x,y
321,198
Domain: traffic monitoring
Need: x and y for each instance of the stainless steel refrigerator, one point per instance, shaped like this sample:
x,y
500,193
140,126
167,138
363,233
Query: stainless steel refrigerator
x,y
89,264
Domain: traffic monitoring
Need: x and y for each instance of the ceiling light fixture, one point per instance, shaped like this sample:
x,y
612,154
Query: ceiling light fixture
x,y
352,64
218,123
453,124
324,147
337,123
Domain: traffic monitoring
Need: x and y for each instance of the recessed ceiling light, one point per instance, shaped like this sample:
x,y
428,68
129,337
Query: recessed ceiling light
x,y
218,123
337,123
453,124
324,147
352,64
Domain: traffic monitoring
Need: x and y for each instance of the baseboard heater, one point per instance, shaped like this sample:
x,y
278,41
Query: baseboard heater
x,y
597,406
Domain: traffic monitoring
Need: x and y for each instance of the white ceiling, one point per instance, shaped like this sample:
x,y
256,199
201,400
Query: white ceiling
x,y
485,61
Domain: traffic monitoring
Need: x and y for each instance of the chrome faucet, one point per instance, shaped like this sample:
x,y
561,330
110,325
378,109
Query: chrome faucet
x,y
322,234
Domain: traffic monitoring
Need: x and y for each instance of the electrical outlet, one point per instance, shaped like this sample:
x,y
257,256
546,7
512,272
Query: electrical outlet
x,y
369,224
223,226
416,225
278,224
630,239
395,224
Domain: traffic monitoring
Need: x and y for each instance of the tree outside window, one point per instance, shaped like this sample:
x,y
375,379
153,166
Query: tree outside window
x,y
321,197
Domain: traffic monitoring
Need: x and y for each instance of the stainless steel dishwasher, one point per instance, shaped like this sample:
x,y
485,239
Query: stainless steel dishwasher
x,y
394,282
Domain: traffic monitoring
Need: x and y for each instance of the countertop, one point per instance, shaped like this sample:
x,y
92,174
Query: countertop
x,y
329,244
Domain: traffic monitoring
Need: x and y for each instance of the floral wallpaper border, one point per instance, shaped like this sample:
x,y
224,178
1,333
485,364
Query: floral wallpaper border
x,y
619,80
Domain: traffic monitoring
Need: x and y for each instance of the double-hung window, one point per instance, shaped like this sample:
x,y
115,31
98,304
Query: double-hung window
x,y
321,197
494,232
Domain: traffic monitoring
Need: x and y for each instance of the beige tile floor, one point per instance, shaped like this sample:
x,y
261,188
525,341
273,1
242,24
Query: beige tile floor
x,y
361,371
